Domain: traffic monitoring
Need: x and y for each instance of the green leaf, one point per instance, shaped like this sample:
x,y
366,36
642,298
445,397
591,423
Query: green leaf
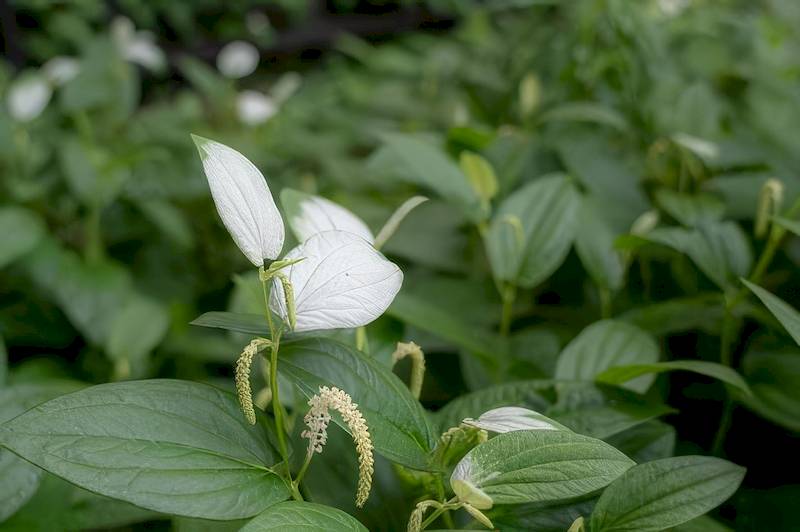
x,y
166,445
607,344
299,516
536,466
690,210
665,493
538,517
232,321
586,112
646,442
790,225
21,229
601,410
20,478
788,316
720,250
397,422
168,219
533,229
3,362
594,243
621,374
393,222
702,312
137,329
414,161
427,316
774,379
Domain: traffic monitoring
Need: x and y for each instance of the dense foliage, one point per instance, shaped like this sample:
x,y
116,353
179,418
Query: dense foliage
x,y
609,244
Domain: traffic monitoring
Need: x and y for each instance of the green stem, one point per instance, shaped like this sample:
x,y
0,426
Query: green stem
x,y
605,303
447,517
277,409
509,295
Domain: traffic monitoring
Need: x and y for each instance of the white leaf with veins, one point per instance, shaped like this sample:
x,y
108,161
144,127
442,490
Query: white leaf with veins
x,y
243,201
317,214
513,418
342,282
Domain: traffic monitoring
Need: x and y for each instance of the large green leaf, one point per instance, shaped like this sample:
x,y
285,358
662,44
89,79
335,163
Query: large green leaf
x,y
602,411
21,229
536,466
532,231
414,161
20,478
298,516
539,517
665,493
720,250
689,210
621,374
788,316
648,441
774,379
429,317
167,445
703,312
607,344
231,321
397,422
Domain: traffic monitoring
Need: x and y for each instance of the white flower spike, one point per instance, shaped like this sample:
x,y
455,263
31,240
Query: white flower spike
x,y
311,214
342,282
243,201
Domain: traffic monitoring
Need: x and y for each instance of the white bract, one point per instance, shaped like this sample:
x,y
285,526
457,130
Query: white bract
x,y
342,282
254,108
315,214
512,418
28,96
243,201
237,59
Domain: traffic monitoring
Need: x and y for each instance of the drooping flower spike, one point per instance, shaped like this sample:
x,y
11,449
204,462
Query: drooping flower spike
x,y
243,201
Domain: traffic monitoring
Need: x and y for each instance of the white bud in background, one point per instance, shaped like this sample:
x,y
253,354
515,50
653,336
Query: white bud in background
x,y
61,69
254,108
27,96
138,47
237,59
673,8
243,201
286,86
257,23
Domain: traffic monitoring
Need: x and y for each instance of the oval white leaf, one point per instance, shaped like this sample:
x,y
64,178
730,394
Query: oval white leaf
x,y
243,201
342,282
309,214
512,418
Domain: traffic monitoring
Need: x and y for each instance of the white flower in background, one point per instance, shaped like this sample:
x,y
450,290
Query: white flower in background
x,y
237,59
310,214
257,23
27,96
673,8
513,418
342,282
137,46
254,108
61,69
243,201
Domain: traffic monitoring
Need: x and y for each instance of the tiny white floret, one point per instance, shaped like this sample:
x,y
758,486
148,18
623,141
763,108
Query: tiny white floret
x,y
237,59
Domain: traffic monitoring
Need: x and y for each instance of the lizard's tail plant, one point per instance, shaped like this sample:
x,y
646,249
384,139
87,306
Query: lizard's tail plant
x,y
335,279
317,420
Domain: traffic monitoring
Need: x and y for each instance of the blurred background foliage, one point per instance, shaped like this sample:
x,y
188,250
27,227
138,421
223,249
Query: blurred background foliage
x,y
110,244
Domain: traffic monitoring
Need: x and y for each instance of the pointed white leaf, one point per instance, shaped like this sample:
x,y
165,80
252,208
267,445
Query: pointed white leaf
x,y
342,282
309,215
511,418
243,201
